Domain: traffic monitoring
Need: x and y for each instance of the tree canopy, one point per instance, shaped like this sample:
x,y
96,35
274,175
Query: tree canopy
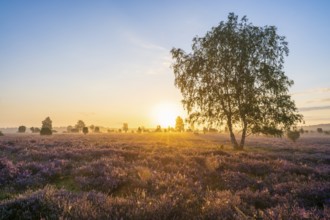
x,y
47,123
125,127
179,125
80,125
234,77
47,127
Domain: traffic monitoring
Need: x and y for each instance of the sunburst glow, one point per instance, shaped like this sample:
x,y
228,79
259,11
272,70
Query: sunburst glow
x,y
164,114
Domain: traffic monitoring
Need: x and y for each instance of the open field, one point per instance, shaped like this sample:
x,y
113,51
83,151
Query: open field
x,y
163,176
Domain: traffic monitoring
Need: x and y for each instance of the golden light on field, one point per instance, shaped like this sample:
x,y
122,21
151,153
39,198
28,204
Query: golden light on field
x,y
165,113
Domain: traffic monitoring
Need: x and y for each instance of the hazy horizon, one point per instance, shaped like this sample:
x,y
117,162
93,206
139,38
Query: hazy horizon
x,y
107,63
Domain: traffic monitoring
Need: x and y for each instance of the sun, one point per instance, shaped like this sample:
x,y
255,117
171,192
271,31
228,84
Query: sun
x,y
165,113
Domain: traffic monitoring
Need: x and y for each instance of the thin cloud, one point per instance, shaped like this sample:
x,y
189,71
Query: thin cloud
x,y
314,108
319,100
133,39
325,100
324,90
313,91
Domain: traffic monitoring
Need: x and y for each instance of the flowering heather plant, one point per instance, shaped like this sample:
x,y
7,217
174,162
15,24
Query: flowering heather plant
x,y
8,171
162,176
100,175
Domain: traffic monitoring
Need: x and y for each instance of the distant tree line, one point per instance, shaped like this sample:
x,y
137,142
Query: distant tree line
x,y
81,127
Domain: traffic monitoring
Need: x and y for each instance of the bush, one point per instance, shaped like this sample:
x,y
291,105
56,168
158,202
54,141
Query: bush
x,y
35,130
21,129
47,123
293,135
74,130
8,171
1,134
319,130
85,130
46,131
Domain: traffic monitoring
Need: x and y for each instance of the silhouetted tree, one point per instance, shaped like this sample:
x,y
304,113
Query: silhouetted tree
x,y
179,125
319,130
21,129
46,128
139,130
47,123
158,128
46,131
80,125
301,131
69,129
234,75
1,134
36,130
85,130
293,135
97,129
92,127
125,127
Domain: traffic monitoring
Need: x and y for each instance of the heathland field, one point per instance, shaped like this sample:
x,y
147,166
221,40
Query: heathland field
x,y
163,176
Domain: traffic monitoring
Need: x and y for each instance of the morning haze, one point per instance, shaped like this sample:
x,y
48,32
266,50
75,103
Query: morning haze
x,y
109,62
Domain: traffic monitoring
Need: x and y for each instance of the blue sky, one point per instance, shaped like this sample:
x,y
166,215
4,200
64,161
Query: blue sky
x,y
107,62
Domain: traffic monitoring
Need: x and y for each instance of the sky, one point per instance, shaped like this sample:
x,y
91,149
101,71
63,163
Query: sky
x,y
108,62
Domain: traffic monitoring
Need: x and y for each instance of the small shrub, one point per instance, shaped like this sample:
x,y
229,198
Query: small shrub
x,y
8,171
100,175
85,130
220,205
319,130
38,205
21,129
125,127
46,131
35,130
232,180
1,134
74,130
293,135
